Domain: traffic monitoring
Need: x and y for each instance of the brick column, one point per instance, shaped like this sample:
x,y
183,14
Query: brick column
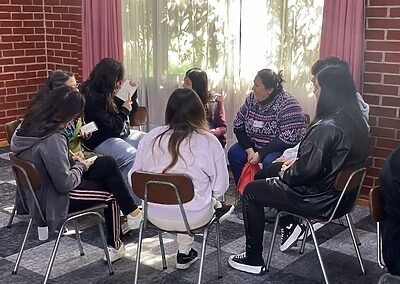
x,y
381,82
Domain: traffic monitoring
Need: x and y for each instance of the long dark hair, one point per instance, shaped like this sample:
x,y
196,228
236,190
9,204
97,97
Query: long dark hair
x,y
337,92
184,115
60,106
199,84
102,81
271,80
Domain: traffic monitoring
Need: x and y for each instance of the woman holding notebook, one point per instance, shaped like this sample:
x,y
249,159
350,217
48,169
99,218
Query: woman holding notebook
x,y
110,113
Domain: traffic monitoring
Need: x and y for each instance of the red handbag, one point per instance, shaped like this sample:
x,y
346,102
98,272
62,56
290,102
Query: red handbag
x,y
247,176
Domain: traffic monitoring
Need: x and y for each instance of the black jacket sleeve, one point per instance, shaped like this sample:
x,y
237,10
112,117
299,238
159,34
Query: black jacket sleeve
x,y
314,151
108,122
243,139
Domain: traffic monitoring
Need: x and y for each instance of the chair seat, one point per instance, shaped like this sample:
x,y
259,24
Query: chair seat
x,y
196,231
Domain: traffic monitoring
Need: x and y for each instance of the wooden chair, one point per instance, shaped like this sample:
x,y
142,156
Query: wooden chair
x,y
170,189
139,118
376,204
347,181
10,128
28,181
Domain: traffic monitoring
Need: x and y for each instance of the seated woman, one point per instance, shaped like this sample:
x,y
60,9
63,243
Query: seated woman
x,y
113,137
269,122
104,171
389,180
337,138
184,145
40,139
197,80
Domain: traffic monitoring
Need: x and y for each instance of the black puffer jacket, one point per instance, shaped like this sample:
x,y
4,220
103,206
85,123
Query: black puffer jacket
x,y
331,144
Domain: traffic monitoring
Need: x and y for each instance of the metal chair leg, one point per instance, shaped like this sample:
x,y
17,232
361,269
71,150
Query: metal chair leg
x,y
11,217
303,243
21,251
164,261
78,238
203,253
138,251
355,243
355,230
218,233
273,240
379,255
53,254
318,252
104,240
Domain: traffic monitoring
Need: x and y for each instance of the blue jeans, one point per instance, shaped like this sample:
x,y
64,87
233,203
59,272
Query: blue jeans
x,y
124,153
237,158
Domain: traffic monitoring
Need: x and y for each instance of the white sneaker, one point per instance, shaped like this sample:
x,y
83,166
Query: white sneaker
x,y
115,254
133,223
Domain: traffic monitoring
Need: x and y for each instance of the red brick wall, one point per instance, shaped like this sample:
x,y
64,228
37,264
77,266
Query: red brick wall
x,y
382,80
36,36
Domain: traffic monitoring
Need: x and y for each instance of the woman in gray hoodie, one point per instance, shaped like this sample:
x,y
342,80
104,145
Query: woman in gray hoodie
x,y
40,139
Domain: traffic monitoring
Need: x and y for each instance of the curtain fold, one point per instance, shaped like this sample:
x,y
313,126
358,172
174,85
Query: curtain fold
x,y
101,32
342,34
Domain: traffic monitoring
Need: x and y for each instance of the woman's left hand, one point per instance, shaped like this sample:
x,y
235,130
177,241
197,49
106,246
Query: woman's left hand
x,y
255,159
85,135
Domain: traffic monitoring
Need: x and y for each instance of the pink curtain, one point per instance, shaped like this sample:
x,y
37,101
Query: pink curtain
x,y
342,34
101,32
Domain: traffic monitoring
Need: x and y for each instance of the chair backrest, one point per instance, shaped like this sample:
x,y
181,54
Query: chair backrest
x,y
10,128
28,181
376,203
140,117
164,189
161,188
349,182
26,173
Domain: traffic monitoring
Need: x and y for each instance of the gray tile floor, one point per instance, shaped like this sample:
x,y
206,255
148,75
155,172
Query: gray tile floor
x,y
289,267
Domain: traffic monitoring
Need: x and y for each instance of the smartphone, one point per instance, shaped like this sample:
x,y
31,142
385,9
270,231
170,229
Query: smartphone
x,y
89,128
91,159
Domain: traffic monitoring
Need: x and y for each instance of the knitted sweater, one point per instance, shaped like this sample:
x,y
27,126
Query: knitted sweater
x,y
279,119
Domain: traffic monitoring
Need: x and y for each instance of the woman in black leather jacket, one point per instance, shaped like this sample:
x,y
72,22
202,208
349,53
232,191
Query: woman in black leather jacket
x,y
337,138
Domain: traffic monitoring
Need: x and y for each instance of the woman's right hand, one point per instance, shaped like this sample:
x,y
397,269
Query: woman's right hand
x,y
128,103
250,153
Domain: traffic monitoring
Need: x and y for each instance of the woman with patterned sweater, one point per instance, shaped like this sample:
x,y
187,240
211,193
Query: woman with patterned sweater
x,y
270,121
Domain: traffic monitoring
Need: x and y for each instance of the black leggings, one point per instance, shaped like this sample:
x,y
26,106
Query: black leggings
x,y
273,171
110,189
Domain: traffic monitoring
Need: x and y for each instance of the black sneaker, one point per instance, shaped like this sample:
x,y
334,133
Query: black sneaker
x,y
242,263
184,261
290,234
222,213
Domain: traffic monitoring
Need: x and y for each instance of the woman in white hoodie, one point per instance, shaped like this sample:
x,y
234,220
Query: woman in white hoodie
x,y
185,145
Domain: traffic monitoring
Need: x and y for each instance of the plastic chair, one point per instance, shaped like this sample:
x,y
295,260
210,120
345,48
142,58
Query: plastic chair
x,y
347,181
10,128
170,189
139,118
376,204
28,181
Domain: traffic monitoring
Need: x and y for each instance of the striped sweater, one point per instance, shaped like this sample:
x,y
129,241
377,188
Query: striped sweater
x,y
280,118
